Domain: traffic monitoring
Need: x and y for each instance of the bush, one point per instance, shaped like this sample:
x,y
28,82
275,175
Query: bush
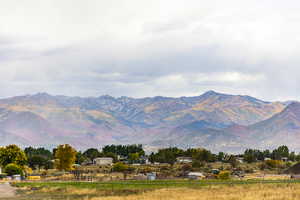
x,y
120,167
186,167
197,164
224,175
13,169
274,164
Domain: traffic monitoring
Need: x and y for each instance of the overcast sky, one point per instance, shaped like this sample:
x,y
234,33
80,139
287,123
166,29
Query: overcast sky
x,y
150,47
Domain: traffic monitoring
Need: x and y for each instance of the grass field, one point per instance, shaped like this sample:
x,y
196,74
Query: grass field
x,y
158,190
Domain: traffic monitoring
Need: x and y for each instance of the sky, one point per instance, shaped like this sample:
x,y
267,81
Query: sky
x,y
141,48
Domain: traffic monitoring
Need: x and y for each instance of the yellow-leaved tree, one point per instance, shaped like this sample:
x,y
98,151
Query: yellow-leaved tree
x,y
65,157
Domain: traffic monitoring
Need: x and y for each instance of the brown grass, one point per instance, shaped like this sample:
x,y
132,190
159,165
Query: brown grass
x,y
241,192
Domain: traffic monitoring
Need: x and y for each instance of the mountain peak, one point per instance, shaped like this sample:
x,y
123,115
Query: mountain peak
x,y
211,93
293,107
41,94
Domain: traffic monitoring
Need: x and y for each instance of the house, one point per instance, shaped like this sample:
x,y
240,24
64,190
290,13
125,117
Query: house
x,y
195,175
285,159
184,160
103,161
240,159
151,176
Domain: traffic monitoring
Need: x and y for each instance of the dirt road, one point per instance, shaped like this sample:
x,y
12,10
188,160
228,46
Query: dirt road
x,y
6,190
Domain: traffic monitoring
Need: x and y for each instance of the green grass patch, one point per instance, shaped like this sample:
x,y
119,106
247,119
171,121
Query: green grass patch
x,y
147,184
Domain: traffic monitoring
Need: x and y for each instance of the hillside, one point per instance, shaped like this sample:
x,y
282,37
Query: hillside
x,y
47,120
281,129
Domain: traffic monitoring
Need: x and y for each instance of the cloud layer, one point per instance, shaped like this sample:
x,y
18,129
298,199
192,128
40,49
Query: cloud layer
x,y
147,48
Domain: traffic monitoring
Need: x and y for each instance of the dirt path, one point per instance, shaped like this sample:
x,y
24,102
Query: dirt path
x,y
6,190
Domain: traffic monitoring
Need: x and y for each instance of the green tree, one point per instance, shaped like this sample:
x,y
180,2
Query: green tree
x,y
134,157
250,156
123,168
38,157
197,164
37,162
65,157
30,151
203,155
91,153
80,158
13,169
280,152
12,154
111,155
221,156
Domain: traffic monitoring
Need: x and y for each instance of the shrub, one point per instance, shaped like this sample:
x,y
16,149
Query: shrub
x,y
274,164
186,167
197,164
224,175
13,169
120,167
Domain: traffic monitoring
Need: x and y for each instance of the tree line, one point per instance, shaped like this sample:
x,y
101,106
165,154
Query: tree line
x,y
14,160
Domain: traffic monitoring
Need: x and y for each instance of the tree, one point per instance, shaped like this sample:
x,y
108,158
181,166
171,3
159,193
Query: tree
x,y
203,155
111,155
30,151
280,152
37,161
124,150
152,157
197,164
121,167
168,155
252,155
80,158
65,157
221,156
233,161
134,157
12,154
13,169
91,153
38,157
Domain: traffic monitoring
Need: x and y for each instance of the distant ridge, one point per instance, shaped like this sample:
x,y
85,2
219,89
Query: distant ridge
x,y
211,119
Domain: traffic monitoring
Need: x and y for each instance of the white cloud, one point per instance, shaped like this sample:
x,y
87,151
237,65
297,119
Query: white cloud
x,y
147,48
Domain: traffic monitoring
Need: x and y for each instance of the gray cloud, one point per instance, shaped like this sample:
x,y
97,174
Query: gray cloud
x,y
147,48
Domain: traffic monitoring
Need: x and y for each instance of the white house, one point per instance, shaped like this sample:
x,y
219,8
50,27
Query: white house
x,y
184,160
103,161
196,175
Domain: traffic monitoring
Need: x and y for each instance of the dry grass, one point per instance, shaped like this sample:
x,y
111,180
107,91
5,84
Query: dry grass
x,y
241,192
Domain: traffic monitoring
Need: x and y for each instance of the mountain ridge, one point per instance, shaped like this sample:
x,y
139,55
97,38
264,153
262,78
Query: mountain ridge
x,y
96,121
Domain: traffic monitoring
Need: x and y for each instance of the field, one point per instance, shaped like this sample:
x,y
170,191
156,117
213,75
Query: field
x,y
158,190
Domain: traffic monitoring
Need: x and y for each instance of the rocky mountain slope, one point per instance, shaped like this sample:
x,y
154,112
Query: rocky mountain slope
x,y
211,120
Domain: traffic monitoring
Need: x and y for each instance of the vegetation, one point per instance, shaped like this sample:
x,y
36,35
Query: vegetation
x,y
12,154
219,190
39,158
65,157
254,155
13,169
124,150
224,175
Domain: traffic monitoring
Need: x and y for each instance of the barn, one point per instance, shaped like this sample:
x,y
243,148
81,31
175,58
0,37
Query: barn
x,y
103,161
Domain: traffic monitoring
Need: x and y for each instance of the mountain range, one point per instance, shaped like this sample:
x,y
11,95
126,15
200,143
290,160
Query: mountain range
x,y
220,122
